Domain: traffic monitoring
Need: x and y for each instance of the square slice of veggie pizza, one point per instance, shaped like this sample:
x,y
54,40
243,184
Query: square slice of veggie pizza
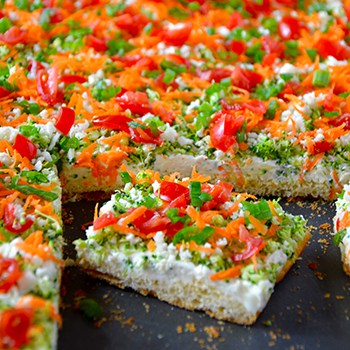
x,y
193,244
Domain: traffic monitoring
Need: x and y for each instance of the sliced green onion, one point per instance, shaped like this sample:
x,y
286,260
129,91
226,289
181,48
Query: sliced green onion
x,y
321,78
204,197
44,19
34,177
149,202
210,30
5,24
46,195
338,237
271,24
194,6
271,110
148,28
241,133
195,192
173,215
178,13
112,10
331,114
217,87
312,53
226,56
193,233
260,210
125,176
291,48
136,125
154,127
66,143
177,68
344,94
286,76
22,4
169,76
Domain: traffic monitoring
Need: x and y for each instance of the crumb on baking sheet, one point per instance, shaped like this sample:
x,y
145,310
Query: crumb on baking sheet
x,y
146,306
190,327
212,331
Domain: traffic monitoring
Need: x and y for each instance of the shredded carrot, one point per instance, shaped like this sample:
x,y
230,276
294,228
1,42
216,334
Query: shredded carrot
x,y
232,272
195,216
34,245
136,213
151,245
258,225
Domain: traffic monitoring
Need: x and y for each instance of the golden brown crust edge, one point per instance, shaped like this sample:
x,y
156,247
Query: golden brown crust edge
x,y
249,320
346,265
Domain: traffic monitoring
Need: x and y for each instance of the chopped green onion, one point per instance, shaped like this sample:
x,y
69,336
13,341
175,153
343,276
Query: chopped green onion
x,y
312,53
195,192
169,76
102,92
271,24
210,30
46,195
344,94
331,114
271,110
286,76
193,233
242,132
301,5
136,125
149,202
29,130
291,48
197,196
321,78
125,176
44,19
34,177
217,87
260,210
148,28
22,4
5,73
267,90
67,143
5,24
178,13
204,197
226,56
177,68
253,49
154,127
173,215
112,10
153,74
194,6
338,237
119,47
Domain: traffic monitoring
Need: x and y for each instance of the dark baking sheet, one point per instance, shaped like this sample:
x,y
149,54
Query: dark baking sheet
x,y
309,309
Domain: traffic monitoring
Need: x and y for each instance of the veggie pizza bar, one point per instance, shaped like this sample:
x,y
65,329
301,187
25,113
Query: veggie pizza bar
x,y
181,112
